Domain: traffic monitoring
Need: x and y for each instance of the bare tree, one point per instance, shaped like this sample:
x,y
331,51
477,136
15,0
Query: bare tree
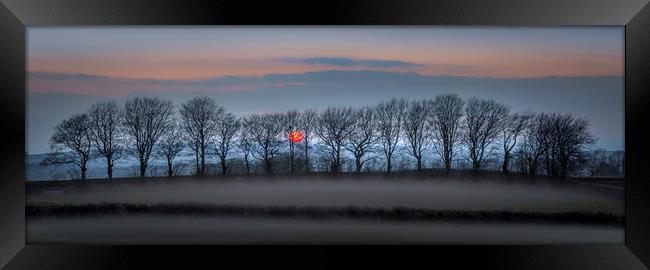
x,y
71,143
551,164
291,120
513,128
445,121
105,121
484,119
535,142
414,125
200,116
557,142
266,133
334,126
390,115
308,121
570,137
171,144
362,136
227,127
245,143
145,121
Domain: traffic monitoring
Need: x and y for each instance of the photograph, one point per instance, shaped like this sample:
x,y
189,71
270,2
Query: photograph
x,y
325,135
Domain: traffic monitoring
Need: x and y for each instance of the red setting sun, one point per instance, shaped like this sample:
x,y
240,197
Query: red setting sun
x,y
295,136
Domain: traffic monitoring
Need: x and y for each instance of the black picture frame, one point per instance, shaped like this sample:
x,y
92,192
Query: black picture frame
x,y
15,15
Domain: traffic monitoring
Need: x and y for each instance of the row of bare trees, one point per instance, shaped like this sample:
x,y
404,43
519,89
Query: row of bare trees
x,y
444,128
142,128
555,143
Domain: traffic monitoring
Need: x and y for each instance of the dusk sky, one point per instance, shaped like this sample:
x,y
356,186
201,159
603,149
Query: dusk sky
x,y
206,52
77,65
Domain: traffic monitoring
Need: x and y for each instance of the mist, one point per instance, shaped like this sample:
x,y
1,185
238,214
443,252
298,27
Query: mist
x,y
369,192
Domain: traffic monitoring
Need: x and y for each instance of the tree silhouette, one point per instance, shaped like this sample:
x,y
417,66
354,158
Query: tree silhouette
x,y
200,116
570,137
308,120
362,136
334,127
552,144
390,115
227,127
106,123
290,120
145,120
71,143
445,121
171,144
484,120
266,133
245,143
415,127
514,126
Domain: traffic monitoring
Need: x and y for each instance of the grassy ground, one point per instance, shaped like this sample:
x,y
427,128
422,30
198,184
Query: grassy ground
x,y
374,192
308,209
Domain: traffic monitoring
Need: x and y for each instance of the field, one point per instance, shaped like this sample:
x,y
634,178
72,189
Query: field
x,y
324,210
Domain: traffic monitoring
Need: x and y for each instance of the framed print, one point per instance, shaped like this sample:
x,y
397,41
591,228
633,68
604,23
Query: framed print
x,y
166,132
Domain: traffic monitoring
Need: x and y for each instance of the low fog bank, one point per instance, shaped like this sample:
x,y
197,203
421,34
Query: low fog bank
x,y
206,230
326,192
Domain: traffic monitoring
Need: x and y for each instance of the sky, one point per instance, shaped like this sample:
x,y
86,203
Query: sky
x,y
259,69
206,52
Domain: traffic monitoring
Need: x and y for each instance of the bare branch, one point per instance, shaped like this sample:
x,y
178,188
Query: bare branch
x,y
71,143
145,121
445,121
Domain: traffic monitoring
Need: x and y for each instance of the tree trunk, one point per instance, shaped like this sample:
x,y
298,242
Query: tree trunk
x,y
170,169
447,168
337,161
143,169
389,164
306,157
83,172
109,168
202,160
291,152
248,169
358,164
419,163
476,167
564,169
196,153
224,169
506,161
267,165
447,161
